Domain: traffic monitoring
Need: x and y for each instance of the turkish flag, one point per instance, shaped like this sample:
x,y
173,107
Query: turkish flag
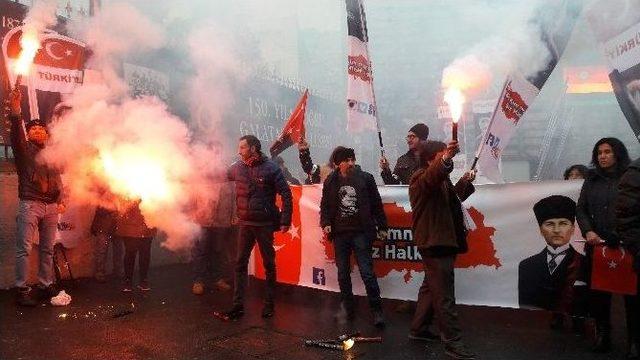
x,y
613,271
293,130
56,51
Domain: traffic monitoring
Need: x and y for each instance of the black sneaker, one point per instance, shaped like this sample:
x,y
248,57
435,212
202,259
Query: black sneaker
x,y
268,311
144,285
346,313
457,350
235,313
127,286
24,298
602,344
557,321
45,293
424,336
633,352
378,319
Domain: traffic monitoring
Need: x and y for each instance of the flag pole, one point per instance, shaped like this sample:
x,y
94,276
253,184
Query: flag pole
x,y
373,93
486,132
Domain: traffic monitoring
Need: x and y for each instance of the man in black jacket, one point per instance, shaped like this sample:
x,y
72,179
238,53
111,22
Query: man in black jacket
x,y
407,164
554,278
351,213
40,193
257,180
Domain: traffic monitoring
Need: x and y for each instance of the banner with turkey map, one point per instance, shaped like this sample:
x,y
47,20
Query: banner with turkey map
x,y
506,233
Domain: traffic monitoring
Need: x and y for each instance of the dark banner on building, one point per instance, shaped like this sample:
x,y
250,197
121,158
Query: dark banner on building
x,y
556,31
620,41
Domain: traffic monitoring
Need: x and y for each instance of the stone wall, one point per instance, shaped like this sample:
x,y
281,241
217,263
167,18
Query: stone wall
x,y
80,257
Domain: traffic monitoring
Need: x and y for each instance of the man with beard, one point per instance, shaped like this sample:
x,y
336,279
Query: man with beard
x,y
407,163
351,213
40,194
257,181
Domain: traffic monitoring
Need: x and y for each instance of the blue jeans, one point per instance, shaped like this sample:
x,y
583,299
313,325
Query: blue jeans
x,y
35,218
360,244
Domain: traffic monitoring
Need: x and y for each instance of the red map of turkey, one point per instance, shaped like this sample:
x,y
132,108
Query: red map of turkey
x,y
481,247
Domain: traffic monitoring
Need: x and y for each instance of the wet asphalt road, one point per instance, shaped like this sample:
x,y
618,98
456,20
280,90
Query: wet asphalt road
x,y
170,323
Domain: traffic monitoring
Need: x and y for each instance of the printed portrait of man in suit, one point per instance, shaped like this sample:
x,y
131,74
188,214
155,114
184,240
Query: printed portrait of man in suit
x,y
553,279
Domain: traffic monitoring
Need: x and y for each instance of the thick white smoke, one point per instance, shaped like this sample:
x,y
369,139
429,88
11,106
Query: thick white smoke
x,y
513,44
112,144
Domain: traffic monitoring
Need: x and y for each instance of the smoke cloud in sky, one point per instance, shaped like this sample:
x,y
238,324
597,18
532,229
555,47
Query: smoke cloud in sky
x,y
514,44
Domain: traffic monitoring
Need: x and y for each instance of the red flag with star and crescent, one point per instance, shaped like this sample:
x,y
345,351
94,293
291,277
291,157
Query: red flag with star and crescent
x,y
293,130
58,65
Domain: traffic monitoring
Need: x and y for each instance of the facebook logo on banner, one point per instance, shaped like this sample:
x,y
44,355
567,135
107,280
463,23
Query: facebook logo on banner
x,y
318,276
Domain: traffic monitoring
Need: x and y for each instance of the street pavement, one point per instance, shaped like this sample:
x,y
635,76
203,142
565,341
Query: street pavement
x,y
169,322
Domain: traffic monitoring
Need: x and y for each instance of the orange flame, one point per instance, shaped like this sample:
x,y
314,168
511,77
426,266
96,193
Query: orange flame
x,y
347,344
30,44
137,173
455,99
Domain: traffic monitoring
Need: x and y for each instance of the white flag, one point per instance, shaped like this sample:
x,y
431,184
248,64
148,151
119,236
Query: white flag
x,y
516,97
361,104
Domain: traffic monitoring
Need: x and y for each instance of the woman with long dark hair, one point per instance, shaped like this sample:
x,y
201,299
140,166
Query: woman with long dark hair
x,y
596,217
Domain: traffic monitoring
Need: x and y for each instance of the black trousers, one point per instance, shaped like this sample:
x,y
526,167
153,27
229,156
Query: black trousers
x,y
436,298
136,246
632,309
248,236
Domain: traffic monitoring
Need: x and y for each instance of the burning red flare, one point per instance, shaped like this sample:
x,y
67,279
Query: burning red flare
x,y
455,100
30,44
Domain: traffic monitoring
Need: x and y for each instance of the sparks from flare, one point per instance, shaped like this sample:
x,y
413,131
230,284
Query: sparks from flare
x,y
455,100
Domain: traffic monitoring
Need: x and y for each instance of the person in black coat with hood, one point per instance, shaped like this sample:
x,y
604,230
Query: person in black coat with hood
x,y
627,208
595,214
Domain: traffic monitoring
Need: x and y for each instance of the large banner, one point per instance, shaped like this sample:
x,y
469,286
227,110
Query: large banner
x,y
506,233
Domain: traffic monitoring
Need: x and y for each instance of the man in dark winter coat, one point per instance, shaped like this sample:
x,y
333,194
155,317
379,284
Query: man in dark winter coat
x,y
407,164
440,232
351,213
554,278
627,208
40,194
257,180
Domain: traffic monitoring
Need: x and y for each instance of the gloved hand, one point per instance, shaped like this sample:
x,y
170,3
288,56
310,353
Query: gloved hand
x,y
612,240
